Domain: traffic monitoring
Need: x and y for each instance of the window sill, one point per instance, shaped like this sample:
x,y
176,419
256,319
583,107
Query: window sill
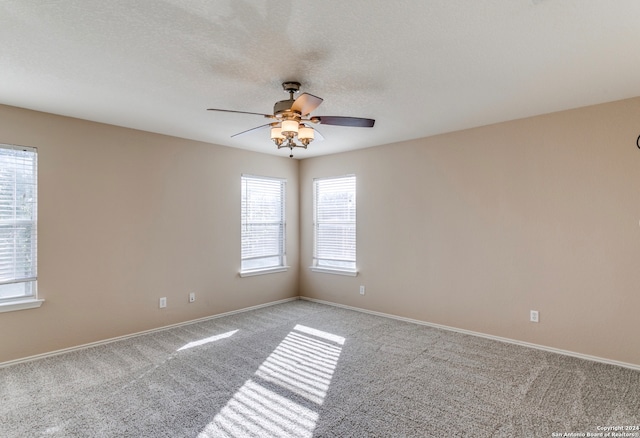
x,y
29,303
334,271
264,271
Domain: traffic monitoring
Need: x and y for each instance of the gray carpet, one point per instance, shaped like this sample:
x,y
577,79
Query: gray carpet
x,y
303,369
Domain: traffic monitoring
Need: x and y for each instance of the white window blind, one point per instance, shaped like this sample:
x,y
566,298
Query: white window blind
x,y
263,223
335,223
18,220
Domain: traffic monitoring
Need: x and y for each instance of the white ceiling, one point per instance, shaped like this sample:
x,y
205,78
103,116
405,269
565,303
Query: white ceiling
x,y
418,67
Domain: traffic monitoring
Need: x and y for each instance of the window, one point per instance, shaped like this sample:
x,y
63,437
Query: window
x,y
18,225
263,225
334,201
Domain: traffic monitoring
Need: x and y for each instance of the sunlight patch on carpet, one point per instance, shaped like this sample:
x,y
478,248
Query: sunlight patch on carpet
x,y
302,365
207,340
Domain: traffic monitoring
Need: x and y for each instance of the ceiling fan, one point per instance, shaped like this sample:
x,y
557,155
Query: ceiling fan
x,y
292,119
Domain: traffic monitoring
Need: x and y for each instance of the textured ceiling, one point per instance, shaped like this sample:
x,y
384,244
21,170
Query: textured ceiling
x,y
418,67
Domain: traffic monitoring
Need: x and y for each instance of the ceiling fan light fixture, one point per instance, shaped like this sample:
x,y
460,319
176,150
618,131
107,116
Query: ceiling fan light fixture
x,y
289,128
276,133
305,134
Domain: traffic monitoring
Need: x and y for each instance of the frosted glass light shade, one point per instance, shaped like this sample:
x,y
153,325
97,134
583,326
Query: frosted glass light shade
x,y
289,128
276,133
305,133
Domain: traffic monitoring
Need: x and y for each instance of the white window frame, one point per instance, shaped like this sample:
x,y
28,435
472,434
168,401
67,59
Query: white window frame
x,y
341,266
14,277
280,256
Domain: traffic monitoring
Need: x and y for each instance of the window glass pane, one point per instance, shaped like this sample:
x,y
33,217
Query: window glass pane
x,y
263,226
18,221
335,222
17,290
261,263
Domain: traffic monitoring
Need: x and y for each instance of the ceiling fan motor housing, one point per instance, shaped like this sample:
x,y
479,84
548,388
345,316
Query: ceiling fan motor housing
x,y
283,109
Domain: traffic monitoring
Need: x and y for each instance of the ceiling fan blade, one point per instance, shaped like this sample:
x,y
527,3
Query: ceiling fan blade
x,y
269,116
344,121
252,129
306,103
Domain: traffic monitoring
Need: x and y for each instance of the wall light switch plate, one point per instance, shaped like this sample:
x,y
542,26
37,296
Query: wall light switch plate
x,y
192,297
163,302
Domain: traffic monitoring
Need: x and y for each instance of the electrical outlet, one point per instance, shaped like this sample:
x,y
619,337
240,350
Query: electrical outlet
x,y
192,297
361,290
534,316
163,302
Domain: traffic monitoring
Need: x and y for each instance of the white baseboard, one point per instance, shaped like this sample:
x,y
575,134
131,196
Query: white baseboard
x,y
483,335
133,335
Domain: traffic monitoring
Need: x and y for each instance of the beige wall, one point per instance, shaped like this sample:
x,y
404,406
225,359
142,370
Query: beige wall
x,y
470,229
475,228
126,217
